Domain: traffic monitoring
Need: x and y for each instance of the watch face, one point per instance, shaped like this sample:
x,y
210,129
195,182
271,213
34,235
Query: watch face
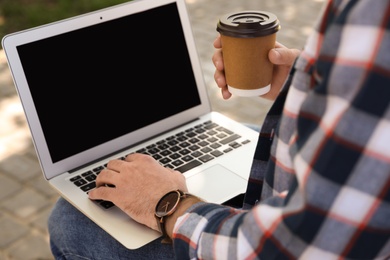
x,y
167,204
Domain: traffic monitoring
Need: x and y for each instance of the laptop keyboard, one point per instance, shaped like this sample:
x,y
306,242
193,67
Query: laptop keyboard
x,y
181,152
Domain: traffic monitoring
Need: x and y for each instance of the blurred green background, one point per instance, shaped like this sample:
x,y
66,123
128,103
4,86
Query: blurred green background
x,y
16,15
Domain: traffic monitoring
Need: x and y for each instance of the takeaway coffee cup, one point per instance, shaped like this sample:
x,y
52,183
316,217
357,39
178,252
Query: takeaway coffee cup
x,y
247,37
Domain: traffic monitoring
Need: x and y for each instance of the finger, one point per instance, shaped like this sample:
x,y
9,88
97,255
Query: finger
x,y
272,94
220,79
106,176
115,165
226,94
101,193
283,56
217,42
133,157
279,45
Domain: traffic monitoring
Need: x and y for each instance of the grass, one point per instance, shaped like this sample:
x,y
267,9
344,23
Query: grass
x,y
16,15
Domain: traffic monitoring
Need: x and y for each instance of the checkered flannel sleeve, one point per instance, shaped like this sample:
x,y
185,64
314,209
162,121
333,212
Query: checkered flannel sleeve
x,y
326,190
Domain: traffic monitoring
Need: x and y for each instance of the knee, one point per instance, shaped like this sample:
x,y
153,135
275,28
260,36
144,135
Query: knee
x,y
63,224
67,227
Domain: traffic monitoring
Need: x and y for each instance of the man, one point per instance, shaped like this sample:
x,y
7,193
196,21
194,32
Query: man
x,y
320,180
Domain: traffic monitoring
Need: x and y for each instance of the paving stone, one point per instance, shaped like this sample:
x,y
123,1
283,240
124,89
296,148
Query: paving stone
x,y
31,153
40,220
31,247
41,185
12,117
20,167
3,255
8,186
11,231
25,203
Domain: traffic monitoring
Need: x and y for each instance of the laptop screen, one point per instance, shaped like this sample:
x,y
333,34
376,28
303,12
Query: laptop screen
x,y
95,84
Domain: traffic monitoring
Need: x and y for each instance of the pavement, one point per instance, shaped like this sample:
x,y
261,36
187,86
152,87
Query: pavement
x,y
26,199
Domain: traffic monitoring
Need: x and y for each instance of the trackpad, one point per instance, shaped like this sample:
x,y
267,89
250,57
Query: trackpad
x,y
216,184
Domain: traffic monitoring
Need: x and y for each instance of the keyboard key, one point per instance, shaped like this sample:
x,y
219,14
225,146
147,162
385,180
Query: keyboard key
x,y
106,204
230,139
205,158
216,153
88,186
80,182
189,166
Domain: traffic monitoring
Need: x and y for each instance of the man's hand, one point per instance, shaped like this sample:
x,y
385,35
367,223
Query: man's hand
x,y
139,182
282,57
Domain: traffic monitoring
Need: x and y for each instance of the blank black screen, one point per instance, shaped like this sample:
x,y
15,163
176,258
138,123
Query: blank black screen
x,y
94,84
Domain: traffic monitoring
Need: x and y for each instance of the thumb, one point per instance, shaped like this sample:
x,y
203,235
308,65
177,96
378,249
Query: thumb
x,y
283,56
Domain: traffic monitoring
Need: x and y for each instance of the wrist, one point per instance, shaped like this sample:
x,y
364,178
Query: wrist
x,y
181,209
171,206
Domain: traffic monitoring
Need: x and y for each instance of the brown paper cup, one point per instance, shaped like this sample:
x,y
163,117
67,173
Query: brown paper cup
x,y
247,37
248,70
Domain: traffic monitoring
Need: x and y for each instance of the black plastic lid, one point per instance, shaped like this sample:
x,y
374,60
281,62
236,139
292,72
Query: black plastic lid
x,y
248,24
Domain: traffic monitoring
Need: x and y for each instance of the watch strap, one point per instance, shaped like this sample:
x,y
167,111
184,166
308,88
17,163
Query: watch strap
x,y
161,220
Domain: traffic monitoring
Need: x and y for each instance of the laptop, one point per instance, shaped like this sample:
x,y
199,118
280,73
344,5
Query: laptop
x,y
120,80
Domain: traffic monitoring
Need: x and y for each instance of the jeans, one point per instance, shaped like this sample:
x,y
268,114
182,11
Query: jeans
x,y
74,236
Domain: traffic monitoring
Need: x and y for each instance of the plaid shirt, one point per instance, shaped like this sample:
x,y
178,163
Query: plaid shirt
x,y
320,180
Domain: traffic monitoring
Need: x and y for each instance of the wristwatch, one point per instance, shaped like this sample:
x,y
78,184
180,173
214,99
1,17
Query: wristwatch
x,y
166,206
